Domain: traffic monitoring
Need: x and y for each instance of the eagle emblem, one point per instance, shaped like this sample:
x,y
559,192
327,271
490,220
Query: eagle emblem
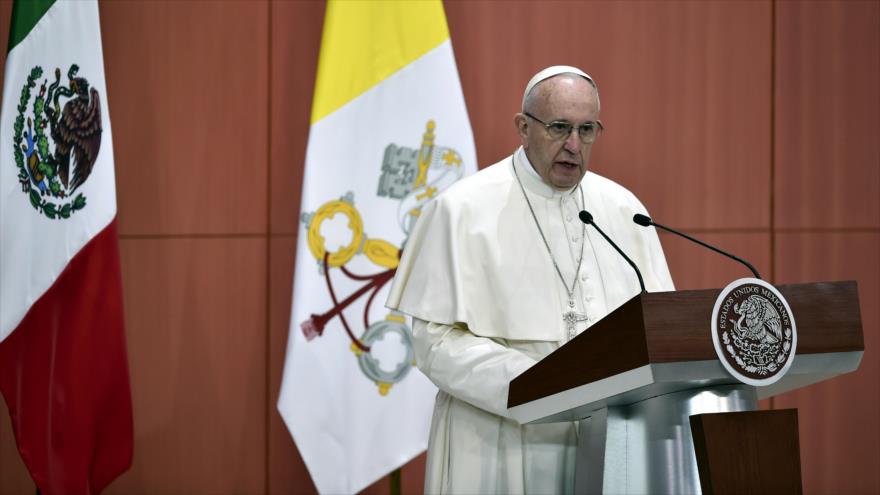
x,y
57,138
762,321
754,332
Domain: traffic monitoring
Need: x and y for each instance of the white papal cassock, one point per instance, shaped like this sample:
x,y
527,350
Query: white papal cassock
x,y
487,304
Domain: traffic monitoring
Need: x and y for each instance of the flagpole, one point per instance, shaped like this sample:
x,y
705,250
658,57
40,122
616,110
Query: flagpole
x,y
395,482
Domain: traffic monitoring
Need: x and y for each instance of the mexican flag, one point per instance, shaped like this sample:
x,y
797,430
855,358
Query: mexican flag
x,y
389,132
63,365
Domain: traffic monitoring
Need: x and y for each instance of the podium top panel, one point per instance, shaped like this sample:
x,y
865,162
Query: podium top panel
x,y
674,327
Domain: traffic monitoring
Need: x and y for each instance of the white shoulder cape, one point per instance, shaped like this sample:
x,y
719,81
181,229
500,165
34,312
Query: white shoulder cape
x,y
475,258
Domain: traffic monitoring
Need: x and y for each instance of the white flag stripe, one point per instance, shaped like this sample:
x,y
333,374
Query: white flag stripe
x,y
39,241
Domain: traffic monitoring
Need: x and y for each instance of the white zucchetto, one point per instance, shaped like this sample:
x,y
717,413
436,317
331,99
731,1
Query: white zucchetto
x,y
550,72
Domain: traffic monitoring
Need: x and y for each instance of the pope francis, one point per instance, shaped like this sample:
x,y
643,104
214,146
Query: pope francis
x,y
499,272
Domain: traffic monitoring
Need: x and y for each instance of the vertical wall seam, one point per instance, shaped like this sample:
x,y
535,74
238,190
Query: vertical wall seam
x,y
268,274
772,151
773,141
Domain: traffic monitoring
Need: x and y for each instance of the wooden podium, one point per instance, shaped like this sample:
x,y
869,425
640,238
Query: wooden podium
x,y
635,379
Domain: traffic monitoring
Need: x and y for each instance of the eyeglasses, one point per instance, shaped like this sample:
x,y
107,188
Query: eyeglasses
x,y
560,129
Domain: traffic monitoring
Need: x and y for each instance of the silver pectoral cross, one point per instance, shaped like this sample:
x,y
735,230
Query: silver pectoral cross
x,y
571,317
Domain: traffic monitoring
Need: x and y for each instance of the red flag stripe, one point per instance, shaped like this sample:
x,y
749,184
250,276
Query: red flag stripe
x,y
64,375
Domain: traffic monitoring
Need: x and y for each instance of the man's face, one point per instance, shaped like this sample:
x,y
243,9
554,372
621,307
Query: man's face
x,y
561,163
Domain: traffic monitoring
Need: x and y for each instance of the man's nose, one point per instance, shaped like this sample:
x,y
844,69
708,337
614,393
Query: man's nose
x,y
573,141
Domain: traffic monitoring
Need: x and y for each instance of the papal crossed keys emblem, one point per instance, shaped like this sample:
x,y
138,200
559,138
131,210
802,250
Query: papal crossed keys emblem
x,y
412,177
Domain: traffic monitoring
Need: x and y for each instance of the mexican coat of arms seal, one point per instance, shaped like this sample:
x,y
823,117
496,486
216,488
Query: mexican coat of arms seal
x,y
754,332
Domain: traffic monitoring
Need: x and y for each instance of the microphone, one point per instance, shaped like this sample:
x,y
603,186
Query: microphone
x,y
587,218
646,221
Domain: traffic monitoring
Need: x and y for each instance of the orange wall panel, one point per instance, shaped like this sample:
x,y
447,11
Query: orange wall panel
x,y
828,114
188,96
695,267
296,41
286,470
14,477
195,319
839,419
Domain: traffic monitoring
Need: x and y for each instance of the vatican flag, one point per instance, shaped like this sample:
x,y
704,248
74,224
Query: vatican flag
x,y
389,132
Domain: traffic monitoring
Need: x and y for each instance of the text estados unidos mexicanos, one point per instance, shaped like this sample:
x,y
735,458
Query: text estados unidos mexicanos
x,y
749,290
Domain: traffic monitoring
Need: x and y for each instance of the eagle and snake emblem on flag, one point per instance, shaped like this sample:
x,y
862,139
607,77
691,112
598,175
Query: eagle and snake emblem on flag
x,y
56,146
412,177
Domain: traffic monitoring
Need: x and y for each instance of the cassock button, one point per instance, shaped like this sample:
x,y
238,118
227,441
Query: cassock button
x,y
568,218
584,277
574,238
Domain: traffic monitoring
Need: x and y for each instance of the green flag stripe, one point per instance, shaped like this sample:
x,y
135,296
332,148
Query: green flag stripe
x,y
25,15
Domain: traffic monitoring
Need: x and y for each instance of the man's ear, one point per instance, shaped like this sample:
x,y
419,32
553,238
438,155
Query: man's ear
x,y
522,126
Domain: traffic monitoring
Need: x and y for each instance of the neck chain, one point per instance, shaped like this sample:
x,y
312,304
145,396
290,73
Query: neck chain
x,y
569,317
